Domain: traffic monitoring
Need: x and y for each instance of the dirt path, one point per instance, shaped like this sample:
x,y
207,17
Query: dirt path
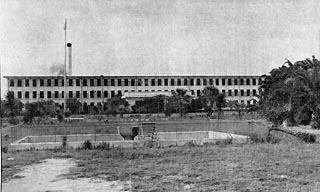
x,y
46,176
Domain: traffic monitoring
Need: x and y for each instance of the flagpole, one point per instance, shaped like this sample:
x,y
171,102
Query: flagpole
x,y
65,65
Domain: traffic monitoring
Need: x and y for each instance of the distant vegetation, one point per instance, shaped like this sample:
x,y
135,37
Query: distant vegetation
x,y
291,93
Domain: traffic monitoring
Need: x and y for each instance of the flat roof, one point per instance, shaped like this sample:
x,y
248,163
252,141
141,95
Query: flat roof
x,y
129,76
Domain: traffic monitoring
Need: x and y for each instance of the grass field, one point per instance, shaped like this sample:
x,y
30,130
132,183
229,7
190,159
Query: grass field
x,y
288,165
250,167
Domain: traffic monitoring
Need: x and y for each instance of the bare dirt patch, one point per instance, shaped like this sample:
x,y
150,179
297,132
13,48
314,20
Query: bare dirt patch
x,y
48,176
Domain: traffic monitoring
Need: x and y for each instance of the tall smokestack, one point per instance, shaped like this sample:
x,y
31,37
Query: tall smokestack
x,y
69,45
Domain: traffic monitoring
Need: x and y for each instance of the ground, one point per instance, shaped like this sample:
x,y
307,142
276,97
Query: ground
x,y
286,165
250,167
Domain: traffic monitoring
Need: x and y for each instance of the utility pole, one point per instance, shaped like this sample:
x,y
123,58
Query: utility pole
x,y
65,65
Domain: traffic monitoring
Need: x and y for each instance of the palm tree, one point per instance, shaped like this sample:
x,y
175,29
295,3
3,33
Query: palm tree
x,y
180,101
208,98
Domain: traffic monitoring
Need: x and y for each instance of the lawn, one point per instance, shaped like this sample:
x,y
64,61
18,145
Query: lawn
x,y
285,166
288,165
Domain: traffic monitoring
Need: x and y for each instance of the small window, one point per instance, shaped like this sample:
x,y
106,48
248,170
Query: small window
x,y
56,94
105,94
241,81
56,82
179,82
248,92
165,82
229,93
91,94
48,82
99,82
133,82
49,94
254,92
223,82
62,82
77,94
126,82
26,83
92,82
70,94
242,92
172,82
84,82
11,83
198,82
77,82
223,91
119,93
62,94
229,81
41,82
204,82
41,94
210,81
105,82
153,82
34,94
217,82
26,94
235,81
99,94
146,82
198,93
19,82
191,82
85,94
159,82
139,82
70,82
34,82
185,82
248,81
19,95
119,82
112,82
236,92
254,82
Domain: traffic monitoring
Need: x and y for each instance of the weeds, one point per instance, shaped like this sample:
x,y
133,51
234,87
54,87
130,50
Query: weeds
x,y
64,142
87,145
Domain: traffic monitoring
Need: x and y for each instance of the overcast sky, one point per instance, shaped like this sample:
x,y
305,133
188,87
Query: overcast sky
x,y
157,37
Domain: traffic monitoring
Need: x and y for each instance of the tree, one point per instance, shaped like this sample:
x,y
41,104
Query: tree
x,y
209,96
12,106
220,103
41,109
179,101
74,105
235,105
116,105
291,92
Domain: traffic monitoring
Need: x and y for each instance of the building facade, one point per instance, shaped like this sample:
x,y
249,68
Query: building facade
x,y
94,90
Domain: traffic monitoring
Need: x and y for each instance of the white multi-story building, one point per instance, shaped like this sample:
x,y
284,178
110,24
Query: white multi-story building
x,y
94,90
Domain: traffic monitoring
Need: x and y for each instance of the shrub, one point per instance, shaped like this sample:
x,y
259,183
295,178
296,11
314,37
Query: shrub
x,y
13,121
67,114
64,141
60,117
307,137
103,146
87,145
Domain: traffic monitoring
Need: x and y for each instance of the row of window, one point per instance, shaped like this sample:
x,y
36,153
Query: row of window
x,y
132,82
98,94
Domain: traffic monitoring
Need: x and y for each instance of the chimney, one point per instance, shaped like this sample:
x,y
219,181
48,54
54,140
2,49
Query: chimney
x,y
69,46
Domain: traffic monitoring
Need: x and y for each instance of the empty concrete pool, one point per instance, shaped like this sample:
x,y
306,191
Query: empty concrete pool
x,y
163,139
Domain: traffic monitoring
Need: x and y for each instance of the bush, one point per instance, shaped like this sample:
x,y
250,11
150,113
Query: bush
x,y
60,117
67,114
307,137
87,145
103,146
13,121
64,141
